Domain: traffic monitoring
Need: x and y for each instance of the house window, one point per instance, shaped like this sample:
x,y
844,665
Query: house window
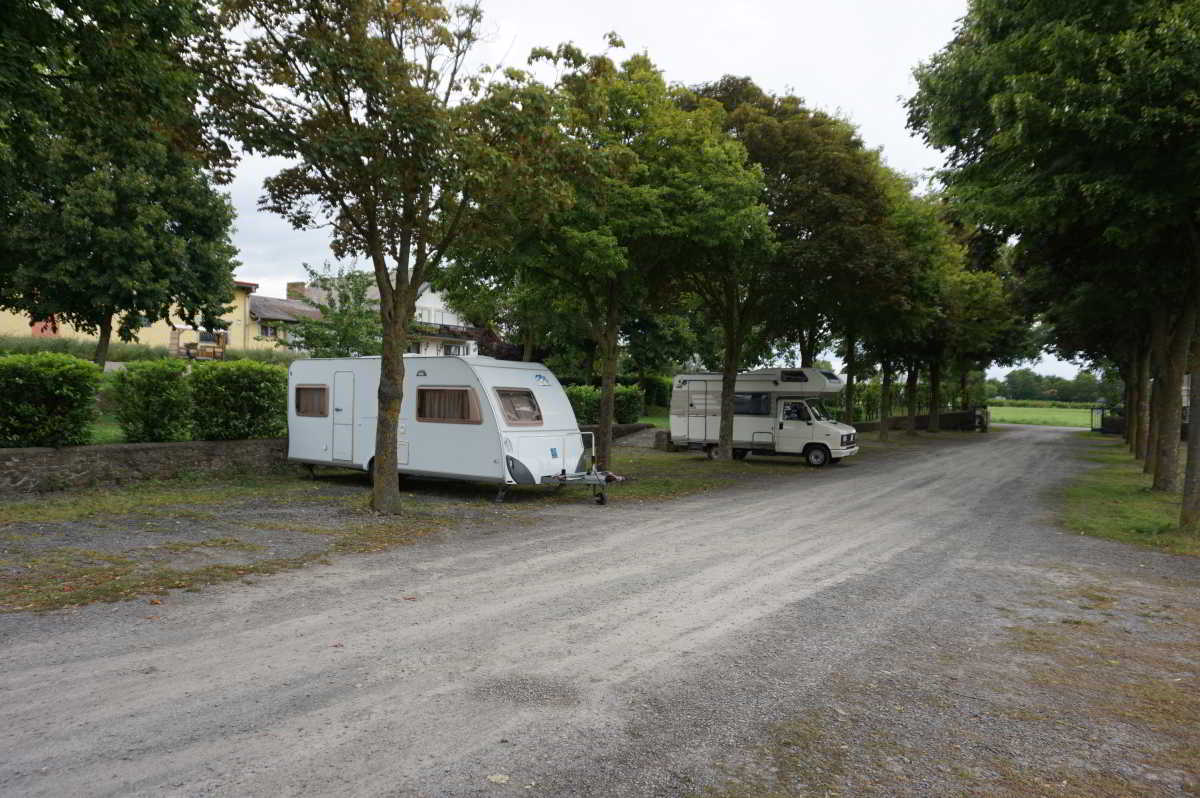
x,y
269,330
414,348
453,349
519,406
312,400
448,406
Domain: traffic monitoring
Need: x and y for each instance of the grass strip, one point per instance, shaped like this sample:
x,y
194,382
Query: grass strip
x,y
1114,501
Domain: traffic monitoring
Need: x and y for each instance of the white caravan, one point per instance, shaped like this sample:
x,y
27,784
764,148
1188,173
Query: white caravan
x,y
776,411
469,418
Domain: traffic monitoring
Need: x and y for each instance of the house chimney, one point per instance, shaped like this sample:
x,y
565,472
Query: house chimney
x,y
296,290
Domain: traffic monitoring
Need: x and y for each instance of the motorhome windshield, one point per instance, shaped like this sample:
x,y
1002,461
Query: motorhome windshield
x,y
818,410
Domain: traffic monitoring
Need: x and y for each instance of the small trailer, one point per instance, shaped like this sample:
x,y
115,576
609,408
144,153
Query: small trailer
x,y
467,418
776,412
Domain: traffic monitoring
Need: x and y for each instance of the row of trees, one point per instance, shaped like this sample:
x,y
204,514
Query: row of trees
x,y
1085,387
1071,127
598,208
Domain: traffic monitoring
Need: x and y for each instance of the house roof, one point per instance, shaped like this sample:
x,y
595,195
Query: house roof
x,y
269,308
243,284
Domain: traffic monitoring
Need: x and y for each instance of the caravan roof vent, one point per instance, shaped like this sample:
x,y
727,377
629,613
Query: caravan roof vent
x,y
793,376
829,375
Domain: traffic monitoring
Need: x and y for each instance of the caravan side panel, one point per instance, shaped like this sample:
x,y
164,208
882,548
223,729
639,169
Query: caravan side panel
x,y
466,448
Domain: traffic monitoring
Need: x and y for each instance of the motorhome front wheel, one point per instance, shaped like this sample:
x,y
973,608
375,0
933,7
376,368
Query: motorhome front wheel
x,y
817,456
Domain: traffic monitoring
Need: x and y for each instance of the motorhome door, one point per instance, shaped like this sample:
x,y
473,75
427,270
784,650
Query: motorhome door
x,y
697,415
795,426
343,416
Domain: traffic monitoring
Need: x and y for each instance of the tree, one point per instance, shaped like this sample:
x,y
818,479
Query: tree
x,y
111,219
1068,123
394,146
346,322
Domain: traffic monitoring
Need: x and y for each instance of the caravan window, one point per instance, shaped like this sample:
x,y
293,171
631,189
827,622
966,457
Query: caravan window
x,y
312,400
448,406
752,404
520,408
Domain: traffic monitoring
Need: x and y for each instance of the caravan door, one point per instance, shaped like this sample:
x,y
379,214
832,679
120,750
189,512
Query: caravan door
x,y
795,426
343,415
697,414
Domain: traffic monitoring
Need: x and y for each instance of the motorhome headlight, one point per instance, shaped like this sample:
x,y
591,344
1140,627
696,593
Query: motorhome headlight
x,y
848,439
520,473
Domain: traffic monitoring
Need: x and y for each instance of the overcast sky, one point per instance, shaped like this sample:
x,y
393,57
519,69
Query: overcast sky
x,y
853,57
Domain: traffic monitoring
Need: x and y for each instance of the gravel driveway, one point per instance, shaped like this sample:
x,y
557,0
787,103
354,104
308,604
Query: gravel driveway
x,y
909,624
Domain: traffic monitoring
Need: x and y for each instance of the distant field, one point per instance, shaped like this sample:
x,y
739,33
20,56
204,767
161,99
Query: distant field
x,y
1045,416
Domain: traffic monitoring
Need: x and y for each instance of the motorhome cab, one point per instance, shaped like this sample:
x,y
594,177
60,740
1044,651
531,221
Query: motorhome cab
x,y
471,418
776,412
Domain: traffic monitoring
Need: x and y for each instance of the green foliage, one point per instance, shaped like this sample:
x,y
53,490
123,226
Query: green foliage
x,y
348,324
630,403
118,352
111,220
1039,403
46,399
153,401
238,400
279,357
657,391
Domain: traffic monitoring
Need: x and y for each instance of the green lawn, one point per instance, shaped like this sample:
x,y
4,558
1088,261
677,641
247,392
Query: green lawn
x,y
658,416
105,429
1045,416
1114,501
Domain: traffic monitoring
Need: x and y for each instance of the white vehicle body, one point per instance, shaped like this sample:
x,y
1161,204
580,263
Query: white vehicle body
x,y
775,412
470,418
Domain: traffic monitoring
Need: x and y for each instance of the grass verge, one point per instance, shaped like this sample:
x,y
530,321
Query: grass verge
x,y
658,416
1043,416
1114,501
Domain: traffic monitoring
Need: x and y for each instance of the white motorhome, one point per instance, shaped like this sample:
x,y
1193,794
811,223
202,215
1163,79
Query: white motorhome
x,y
470,418
776,412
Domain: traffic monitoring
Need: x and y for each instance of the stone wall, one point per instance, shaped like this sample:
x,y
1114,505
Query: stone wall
x,y
958,419
37,470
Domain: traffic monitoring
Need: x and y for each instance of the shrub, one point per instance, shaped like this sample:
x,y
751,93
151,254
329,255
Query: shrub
x,y
47,399
152,401
281,357
658,391
238,399
586,402
1038,403
630,404
118,351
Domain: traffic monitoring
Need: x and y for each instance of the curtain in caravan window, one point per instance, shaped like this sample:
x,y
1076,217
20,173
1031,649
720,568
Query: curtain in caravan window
x,y
447,405
519,406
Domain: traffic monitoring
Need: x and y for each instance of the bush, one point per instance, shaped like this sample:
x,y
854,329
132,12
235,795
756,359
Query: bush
x,y
238,399
282,357
586,402
152,401
658,391
118,351
47,399
630,404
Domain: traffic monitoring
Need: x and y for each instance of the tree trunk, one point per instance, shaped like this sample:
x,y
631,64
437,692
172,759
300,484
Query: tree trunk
x,y
885,400
935,395
527,350
385,488
608,380
848,395
808,349
1143,402
1189,515
100,356
1166,468
910,395
1158,353
729,366
1129,379
1151,432
963,385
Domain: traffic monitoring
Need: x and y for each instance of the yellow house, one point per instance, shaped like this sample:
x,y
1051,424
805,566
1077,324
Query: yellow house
x,y
241,332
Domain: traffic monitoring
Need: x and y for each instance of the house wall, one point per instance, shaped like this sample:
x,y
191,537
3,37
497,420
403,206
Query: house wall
x,y
242,329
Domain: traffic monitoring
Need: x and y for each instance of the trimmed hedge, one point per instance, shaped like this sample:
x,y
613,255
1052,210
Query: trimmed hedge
x,y
47,399
152,401
658,391
84,348
238,399
630,404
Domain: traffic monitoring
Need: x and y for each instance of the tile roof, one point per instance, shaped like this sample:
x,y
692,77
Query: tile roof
x,y
273,309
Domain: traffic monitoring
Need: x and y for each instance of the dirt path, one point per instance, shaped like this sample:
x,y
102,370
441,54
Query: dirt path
x,y
893,626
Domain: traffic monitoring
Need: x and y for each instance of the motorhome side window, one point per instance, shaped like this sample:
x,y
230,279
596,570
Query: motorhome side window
x,y
312,400
520,408
752,404
448,406
795,411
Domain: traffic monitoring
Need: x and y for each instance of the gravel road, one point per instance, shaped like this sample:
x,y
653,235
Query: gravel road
x,y
618,651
